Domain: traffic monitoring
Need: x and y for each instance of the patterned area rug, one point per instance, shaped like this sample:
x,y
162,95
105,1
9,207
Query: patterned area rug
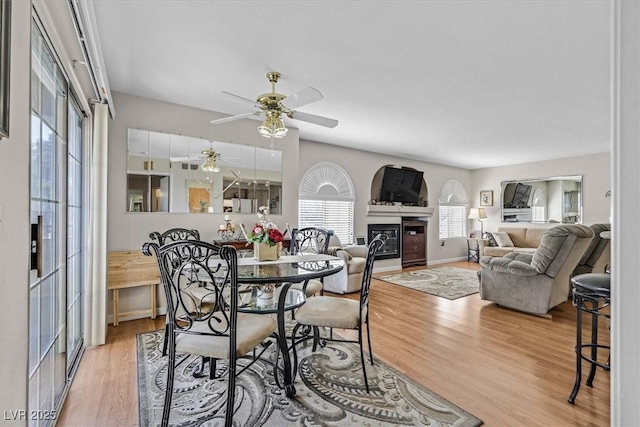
x,y
446,282
330,392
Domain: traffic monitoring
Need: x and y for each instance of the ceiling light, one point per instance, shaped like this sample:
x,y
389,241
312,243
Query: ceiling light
x,y
273,126
211,162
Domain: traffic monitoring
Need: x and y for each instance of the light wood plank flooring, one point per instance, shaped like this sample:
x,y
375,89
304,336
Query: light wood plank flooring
x,y
505,367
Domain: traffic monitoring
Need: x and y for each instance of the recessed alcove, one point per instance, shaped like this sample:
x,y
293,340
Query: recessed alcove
x,y
377,208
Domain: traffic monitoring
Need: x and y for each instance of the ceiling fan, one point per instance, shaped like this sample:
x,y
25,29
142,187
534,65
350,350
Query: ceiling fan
x,y
274,105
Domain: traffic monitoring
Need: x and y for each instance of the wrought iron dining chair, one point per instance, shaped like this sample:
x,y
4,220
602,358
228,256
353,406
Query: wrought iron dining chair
x,y
335,312
173,235
215,331
310,240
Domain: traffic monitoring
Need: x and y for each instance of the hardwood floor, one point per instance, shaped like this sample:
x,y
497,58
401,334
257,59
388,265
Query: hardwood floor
x,y
503,366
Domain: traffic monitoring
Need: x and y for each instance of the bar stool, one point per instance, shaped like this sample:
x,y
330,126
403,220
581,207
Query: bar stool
x,y
591,294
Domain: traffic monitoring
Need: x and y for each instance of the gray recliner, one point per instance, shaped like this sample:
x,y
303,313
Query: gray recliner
x,y
535,283
598,254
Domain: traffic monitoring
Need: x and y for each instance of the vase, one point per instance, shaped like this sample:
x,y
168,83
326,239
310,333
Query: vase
x,y
264,252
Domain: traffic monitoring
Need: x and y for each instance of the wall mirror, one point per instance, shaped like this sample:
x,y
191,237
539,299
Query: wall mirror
x,y
555,199
165,174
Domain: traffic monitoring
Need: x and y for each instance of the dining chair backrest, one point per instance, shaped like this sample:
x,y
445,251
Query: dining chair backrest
x,y
174,235
310,240
374,246
184,266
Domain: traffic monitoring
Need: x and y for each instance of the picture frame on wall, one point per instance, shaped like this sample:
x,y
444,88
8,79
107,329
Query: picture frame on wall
x,y
486,198
5,56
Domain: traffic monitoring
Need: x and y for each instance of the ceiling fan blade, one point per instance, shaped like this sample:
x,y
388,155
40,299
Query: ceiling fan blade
x,y
316,120
241,99
302,97
236,117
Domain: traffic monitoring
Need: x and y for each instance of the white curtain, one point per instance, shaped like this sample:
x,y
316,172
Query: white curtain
x,y
95,330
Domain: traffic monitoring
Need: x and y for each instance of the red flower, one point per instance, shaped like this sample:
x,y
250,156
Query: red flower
x,y
275,235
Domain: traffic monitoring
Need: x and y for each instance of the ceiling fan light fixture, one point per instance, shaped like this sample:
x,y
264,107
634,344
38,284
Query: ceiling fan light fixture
x,y
211,162
272,127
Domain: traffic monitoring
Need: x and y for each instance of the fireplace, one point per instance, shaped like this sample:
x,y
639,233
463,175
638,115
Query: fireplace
x,y
391,248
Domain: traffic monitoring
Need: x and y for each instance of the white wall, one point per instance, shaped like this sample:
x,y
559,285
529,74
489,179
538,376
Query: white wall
x,y
14,221
362,166
595,170
127,231
130,230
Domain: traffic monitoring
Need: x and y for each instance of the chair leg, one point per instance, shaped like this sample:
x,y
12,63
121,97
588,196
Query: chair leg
x,y
316,338
212,368
364,371
168,394
369,340
231,392
164,343
295,354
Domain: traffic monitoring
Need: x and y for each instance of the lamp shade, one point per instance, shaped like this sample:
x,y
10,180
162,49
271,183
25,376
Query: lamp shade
x,y
477,213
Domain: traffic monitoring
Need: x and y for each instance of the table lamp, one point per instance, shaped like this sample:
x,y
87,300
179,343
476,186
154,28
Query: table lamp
x,y
479,214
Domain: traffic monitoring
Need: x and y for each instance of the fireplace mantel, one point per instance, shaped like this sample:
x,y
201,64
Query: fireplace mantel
x,y
394,210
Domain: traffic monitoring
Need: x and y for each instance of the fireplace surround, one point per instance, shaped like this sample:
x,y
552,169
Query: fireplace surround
x,y
391,248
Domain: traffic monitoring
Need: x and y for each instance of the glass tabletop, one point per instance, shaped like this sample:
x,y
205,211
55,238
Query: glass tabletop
x,y
294,299
288,271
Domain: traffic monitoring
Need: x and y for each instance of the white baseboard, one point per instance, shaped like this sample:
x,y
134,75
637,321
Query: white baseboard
x,y
429,263
444,261
385,269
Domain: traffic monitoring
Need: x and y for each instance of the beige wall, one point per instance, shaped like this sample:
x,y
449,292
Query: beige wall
x,y
595,170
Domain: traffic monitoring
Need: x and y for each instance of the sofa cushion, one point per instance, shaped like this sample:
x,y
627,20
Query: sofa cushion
x,y
523,237
503,239
496,251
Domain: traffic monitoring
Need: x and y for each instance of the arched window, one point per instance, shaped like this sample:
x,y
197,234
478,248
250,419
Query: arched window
x,y
453,210
538,206
325,199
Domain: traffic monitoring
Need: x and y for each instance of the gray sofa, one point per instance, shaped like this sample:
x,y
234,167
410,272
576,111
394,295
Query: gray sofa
x,y
535,283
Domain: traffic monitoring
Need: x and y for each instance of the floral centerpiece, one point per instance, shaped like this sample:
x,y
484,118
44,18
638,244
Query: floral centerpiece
x,y
266,237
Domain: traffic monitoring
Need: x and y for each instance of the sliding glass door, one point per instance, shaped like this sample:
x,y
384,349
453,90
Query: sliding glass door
x,y
56,278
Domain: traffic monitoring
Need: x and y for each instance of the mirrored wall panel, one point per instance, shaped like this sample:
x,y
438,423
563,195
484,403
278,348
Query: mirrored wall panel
x,y
545,200
181,174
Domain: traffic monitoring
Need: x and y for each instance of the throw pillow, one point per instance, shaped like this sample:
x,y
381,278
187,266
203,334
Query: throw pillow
x,y
502,239
492,240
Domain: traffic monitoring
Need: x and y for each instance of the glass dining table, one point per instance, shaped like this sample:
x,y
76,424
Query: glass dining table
x,y
282,273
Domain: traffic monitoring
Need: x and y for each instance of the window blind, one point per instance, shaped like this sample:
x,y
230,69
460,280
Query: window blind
x,y
453,222
329,214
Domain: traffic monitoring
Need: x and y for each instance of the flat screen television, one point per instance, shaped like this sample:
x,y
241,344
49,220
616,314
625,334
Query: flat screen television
x,y
516,195
400,185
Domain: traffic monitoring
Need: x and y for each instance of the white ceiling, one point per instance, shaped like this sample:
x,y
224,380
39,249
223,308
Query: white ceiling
x,y
467,84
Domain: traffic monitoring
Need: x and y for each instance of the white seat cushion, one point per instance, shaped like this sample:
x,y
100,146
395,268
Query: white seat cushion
x,y
252,330
313,287
331,312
